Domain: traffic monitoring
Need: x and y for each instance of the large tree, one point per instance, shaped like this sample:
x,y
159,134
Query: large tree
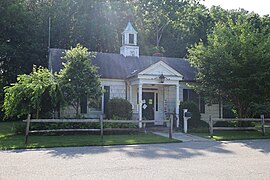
x,y
32,94
79,78
234,64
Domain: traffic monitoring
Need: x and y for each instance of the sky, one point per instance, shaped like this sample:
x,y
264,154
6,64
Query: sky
x,y
261,7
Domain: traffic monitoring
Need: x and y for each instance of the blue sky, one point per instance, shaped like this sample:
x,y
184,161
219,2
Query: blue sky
x,y
261,7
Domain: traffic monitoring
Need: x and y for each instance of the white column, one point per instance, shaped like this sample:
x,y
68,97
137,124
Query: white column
x,y
102,100
140,104
130,94
177,105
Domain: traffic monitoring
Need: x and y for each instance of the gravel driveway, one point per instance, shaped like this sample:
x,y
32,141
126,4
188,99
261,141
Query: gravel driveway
x,y
189,160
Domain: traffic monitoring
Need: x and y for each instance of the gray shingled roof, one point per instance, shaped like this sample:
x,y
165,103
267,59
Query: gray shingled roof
x,y
116,66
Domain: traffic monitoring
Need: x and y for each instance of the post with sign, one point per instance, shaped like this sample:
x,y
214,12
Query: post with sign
x,y
186,116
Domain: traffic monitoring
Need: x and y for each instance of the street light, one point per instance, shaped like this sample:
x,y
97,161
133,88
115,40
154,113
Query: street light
x,y
162,78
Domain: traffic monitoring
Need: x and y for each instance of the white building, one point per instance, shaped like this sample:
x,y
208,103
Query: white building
x,y
154,85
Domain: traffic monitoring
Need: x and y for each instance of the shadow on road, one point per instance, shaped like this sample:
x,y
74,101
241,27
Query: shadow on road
x,y
153,151
149,151
262,145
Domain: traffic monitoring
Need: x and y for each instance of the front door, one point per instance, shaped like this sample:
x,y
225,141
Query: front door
x,y
148,105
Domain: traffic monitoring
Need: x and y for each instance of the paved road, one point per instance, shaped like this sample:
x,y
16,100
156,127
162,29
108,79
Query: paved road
x,y
189,160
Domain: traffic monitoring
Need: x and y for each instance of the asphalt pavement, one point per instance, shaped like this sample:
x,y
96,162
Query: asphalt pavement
x,y
188,160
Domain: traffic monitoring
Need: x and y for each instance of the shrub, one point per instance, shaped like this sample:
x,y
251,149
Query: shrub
x,y
120,108
119,125
195,121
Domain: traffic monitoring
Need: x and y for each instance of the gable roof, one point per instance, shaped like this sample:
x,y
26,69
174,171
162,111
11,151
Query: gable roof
x,y
160,65
116,66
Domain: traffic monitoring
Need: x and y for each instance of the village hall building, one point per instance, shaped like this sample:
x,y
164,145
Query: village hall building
x,y
154,85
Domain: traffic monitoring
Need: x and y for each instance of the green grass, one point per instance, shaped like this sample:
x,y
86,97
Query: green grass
x,y
234,135
9,140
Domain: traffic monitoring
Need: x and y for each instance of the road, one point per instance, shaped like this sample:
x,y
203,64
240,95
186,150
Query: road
x,y
189,160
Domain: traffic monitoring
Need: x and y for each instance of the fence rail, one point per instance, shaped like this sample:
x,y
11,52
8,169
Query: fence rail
x,y
101,121
262,121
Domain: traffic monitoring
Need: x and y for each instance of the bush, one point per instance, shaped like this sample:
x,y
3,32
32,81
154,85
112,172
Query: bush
x,y
119,125
120,108
195,121
19,128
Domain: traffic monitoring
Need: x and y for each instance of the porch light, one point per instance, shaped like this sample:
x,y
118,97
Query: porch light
x,y
162,78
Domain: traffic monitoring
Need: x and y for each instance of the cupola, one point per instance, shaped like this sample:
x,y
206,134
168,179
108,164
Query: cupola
x,y
129,42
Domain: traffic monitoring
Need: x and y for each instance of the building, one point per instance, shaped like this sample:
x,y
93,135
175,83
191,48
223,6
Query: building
x,y
154,85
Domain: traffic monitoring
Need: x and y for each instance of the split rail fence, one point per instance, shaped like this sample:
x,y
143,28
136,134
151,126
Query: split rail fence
x,y
101,121
262,121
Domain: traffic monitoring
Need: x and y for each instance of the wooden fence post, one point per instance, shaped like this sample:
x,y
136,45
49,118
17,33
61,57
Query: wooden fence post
x,y
262,125
101,127
144,126
171,126
211,125
27,128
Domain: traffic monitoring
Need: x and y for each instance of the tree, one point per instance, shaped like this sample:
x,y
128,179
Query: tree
x,y
22,42
170,26
79,78
32,94
234,64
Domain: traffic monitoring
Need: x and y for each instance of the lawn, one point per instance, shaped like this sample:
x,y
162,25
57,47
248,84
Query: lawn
x,y
9,140
234,135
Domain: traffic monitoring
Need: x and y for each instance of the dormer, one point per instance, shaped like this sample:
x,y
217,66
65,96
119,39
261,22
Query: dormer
x,y
129,42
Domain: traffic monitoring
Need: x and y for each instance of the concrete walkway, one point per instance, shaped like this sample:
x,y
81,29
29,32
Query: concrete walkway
x,y
183,137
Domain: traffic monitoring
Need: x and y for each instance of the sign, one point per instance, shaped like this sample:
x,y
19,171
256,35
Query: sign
x,y
144,106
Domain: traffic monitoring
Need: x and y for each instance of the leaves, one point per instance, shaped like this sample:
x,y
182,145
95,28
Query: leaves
x,y
231,64
26,95
79,77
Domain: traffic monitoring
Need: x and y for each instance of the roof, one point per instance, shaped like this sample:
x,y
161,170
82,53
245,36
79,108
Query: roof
x,y
116,66
130,29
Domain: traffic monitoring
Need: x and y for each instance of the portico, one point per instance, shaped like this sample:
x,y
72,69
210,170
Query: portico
x,y
155,93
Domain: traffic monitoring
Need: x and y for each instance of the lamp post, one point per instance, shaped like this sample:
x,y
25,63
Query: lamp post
x,y
162,78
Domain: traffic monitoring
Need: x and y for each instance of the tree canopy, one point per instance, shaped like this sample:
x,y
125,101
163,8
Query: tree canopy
x,y
79,77
234,64
32,94
165,26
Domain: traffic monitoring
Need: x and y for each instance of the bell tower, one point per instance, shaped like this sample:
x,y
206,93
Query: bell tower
x,y
129,42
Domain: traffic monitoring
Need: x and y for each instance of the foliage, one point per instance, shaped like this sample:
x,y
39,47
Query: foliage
x,y
170,25
8,140
230,65
119,108
195,121
79,78
19,128
32,94
164,25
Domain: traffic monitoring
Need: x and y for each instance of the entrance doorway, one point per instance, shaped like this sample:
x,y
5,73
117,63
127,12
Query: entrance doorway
x,y
148,105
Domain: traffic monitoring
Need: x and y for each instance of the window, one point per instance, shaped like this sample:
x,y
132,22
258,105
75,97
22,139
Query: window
x,y
202,105
185,95
191,95
95,104
106,98
83,104
156,101
131,38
